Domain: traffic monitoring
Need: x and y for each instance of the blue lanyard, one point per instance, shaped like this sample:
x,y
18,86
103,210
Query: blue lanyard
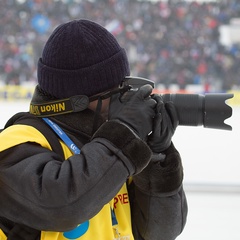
x,y
73,148
71,145
114,219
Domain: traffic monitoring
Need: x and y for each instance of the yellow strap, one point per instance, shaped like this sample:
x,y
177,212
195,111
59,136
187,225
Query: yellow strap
x,y
17,134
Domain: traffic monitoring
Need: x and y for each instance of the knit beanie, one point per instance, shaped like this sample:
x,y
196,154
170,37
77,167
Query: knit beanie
x,y
81,58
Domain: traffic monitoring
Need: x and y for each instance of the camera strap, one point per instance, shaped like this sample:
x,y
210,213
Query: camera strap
x,y
56,107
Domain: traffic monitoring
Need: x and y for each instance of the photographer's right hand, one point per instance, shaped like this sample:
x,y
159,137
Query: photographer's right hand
x,y
137,113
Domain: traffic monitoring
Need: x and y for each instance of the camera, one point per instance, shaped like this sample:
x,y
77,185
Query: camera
x,y
209,110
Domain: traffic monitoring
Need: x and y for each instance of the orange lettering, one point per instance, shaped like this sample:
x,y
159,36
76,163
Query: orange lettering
x,y
123,198
115,202
120,197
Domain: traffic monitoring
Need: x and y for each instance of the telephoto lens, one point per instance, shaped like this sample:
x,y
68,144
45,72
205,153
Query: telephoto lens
x,y
209,110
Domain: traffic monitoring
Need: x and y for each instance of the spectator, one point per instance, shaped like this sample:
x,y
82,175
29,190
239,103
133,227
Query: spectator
x,y
186,32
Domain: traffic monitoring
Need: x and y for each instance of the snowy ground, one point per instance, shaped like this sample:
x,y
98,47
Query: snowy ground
x,y
212,180
212,176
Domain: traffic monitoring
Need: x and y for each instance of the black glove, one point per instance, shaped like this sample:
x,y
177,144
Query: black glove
x,y
137,113
161,175
164,125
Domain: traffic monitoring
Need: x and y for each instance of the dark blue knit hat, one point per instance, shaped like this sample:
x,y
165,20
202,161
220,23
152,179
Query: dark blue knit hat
x,y
81,58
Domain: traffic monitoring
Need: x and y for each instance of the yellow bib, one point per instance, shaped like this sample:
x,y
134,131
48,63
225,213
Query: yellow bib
x,y
2,235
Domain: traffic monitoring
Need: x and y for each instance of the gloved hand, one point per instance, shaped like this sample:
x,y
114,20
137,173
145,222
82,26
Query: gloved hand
x,y
164,125
137,113
164,173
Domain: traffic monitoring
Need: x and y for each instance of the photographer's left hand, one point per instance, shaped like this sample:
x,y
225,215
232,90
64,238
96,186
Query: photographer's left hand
x,y
164,174
164,126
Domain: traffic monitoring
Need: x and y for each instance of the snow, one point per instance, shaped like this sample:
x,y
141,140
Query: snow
x,y
211,155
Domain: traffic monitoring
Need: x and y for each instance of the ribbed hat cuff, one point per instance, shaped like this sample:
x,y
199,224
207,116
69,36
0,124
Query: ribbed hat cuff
x,y
89,81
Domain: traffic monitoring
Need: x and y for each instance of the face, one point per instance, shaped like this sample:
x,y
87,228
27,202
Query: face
x,y
104,109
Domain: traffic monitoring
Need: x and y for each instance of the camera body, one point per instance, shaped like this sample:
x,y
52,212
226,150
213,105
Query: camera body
x,y
209,110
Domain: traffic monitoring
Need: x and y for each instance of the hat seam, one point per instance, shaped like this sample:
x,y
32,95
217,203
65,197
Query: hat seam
x,y
96,66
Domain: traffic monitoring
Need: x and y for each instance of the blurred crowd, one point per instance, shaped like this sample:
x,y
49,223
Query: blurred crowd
x,y
166,41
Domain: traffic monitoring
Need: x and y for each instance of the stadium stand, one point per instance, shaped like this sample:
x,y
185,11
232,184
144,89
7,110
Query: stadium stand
x,y
170,42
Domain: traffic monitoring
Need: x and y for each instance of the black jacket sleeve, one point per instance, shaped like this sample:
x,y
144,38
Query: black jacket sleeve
x,y
158,218
41,190
159,207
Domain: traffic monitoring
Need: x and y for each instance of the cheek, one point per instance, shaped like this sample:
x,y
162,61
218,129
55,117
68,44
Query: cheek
x,y
105,107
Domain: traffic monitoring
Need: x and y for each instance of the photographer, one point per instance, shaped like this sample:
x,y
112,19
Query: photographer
x,y
83,164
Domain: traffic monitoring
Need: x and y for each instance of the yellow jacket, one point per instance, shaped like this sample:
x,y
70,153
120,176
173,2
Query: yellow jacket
x,y
100,225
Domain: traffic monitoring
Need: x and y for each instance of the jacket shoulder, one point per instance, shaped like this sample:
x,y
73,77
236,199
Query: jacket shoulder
x,y
24,127
19,133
